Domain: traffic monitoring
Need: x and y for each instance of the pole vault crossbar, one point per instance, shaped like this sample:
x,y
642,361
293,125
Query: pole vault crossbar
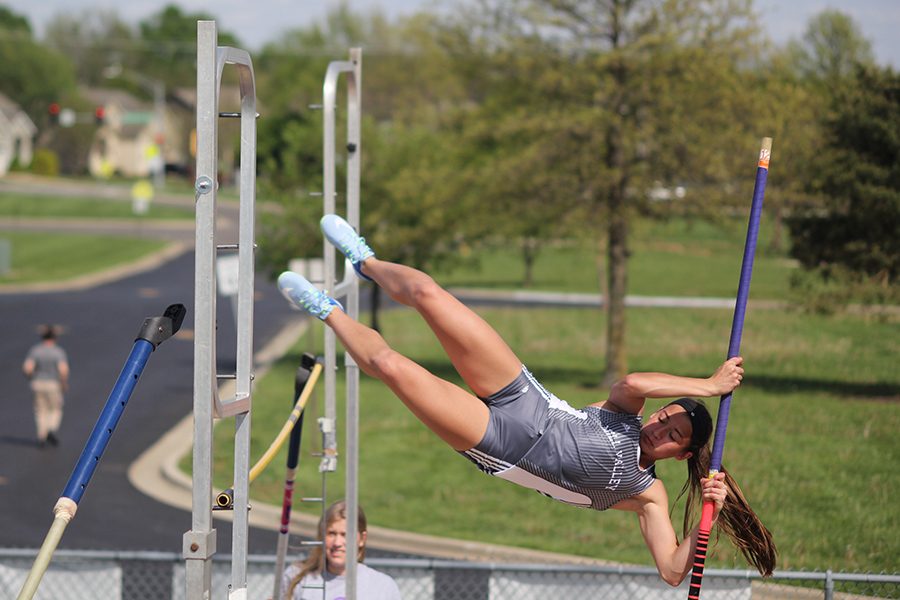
x,y
199,544
348,288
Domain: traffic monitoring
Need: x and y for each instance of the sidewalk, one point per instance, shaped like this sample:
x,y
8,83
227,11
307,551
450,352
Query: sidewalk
x,y
537,298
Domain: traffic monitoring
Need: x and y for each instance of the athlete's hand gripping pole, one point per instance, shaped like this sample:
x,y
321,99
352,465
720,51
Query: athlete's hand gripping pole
x,y
154,331
734,347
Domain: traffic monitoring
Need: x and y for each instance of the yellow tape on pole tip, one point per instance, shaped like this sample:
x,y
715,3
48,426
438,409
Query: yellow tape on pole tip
x,y
765,153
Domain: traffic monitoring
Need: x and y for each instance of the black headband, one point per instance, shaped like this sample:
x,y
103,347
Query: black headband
x,y
701,422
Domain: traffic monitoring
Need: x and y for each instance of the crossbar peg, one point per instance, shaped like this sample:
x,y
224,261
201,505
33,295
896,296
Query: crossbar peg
x,y
232,115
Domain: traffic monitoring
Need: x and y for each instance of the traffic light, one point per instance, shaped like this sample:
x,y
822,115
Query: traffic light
x,y
53,110
99,115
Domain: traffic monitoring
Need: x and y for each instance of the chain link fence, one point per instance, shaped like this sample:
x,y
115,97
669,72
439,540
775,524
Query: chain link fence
x,y
93,575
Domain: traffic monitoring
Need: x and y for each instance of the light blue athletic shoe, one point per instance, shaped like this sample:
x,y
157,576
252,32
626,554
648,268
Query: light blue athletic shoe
x,y
305,295
343,237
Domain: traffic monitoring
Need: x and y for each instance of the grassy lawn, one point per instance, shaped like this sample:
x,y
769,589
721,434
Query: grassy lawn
x,y
38,257
678,258
40,206
812,435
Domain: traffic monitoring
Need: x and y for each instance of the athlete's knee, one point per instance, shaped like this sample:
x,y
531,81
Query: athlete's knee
x,y
387,365
425,290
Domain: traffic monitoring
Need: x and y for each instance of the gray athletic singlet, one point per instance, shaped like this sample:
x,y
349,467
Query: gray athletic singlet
x,y
588,457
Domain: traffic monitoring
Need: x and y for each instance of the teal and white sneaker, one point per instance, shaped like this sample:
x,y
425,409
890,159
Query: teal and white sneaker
x,y
343,237
302,294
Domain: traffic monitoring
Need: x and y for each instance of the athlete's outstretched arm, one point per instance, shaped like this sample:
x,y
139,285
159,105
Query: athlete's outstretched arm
x,y
673,559
628,394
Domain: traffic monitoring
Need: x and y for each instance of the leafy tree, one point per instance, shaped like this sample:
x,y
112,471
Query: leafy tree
x,y
830,48
402,160
33,75
520,166
110,52
794,108
413,197
94,40
560,116
412,74
11,22
290,72
858,231
633,95
168,46
800,83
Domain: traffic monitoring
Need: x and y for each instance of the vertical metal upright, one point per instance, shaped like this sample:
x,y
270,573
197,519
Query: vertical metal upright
x,y
348,288
199,544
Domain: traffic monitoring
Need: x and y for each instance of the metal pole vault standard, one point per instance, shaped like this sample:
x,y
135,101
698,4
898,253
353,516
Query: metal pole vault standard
x,y
349,287
734,347
154,332
199,544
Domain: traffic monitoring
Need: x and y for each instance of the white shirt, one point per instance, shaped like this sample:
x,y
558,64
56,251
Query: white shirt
x,y
370,585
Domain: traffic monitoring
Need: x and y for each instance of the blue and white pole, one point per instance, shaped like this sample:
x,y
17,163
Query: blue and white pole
x,y
154,331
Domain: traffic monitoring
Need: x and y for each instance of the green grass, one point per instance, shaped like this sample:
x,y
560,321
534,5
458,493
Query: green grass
x,y
38,257
812,435
678,258
41,206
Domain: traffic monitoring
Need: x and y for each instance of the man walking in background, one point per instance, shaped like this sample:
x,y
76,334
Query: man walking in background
x,y
47,366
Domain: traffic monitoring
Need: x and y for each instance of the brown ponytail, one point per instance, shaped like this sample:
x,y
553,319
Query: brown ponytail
x,y
736,518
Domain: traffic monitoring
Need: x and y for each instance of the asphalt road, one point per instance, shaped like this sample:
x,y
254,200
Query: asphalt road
x,y
100,325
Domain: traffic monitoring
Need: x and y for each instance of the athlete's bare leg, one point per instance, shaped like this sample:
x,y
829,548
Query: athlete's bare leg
x,y
481,357
456,416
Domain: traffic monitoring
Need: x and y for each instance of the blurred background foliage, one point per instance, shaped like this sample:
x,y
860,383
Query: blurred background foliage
x,y
534,121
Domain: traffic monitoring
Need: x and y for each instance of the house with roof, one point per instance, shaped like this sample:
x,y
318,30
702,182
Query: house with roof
x,y
131,135
17,132
135,137
228,129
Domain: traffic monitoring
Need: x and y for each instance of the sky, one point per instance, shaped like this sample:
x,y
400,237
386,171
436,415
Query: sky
x,y
260,21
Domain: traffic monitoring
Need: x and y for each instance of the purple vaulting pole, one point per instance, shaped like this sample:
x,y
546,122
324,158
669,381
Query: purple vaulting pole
x,y
734,347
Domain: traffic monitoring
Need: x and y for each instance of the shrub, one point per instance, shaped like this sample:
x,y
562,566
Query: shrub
x,y
45,162
832,289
